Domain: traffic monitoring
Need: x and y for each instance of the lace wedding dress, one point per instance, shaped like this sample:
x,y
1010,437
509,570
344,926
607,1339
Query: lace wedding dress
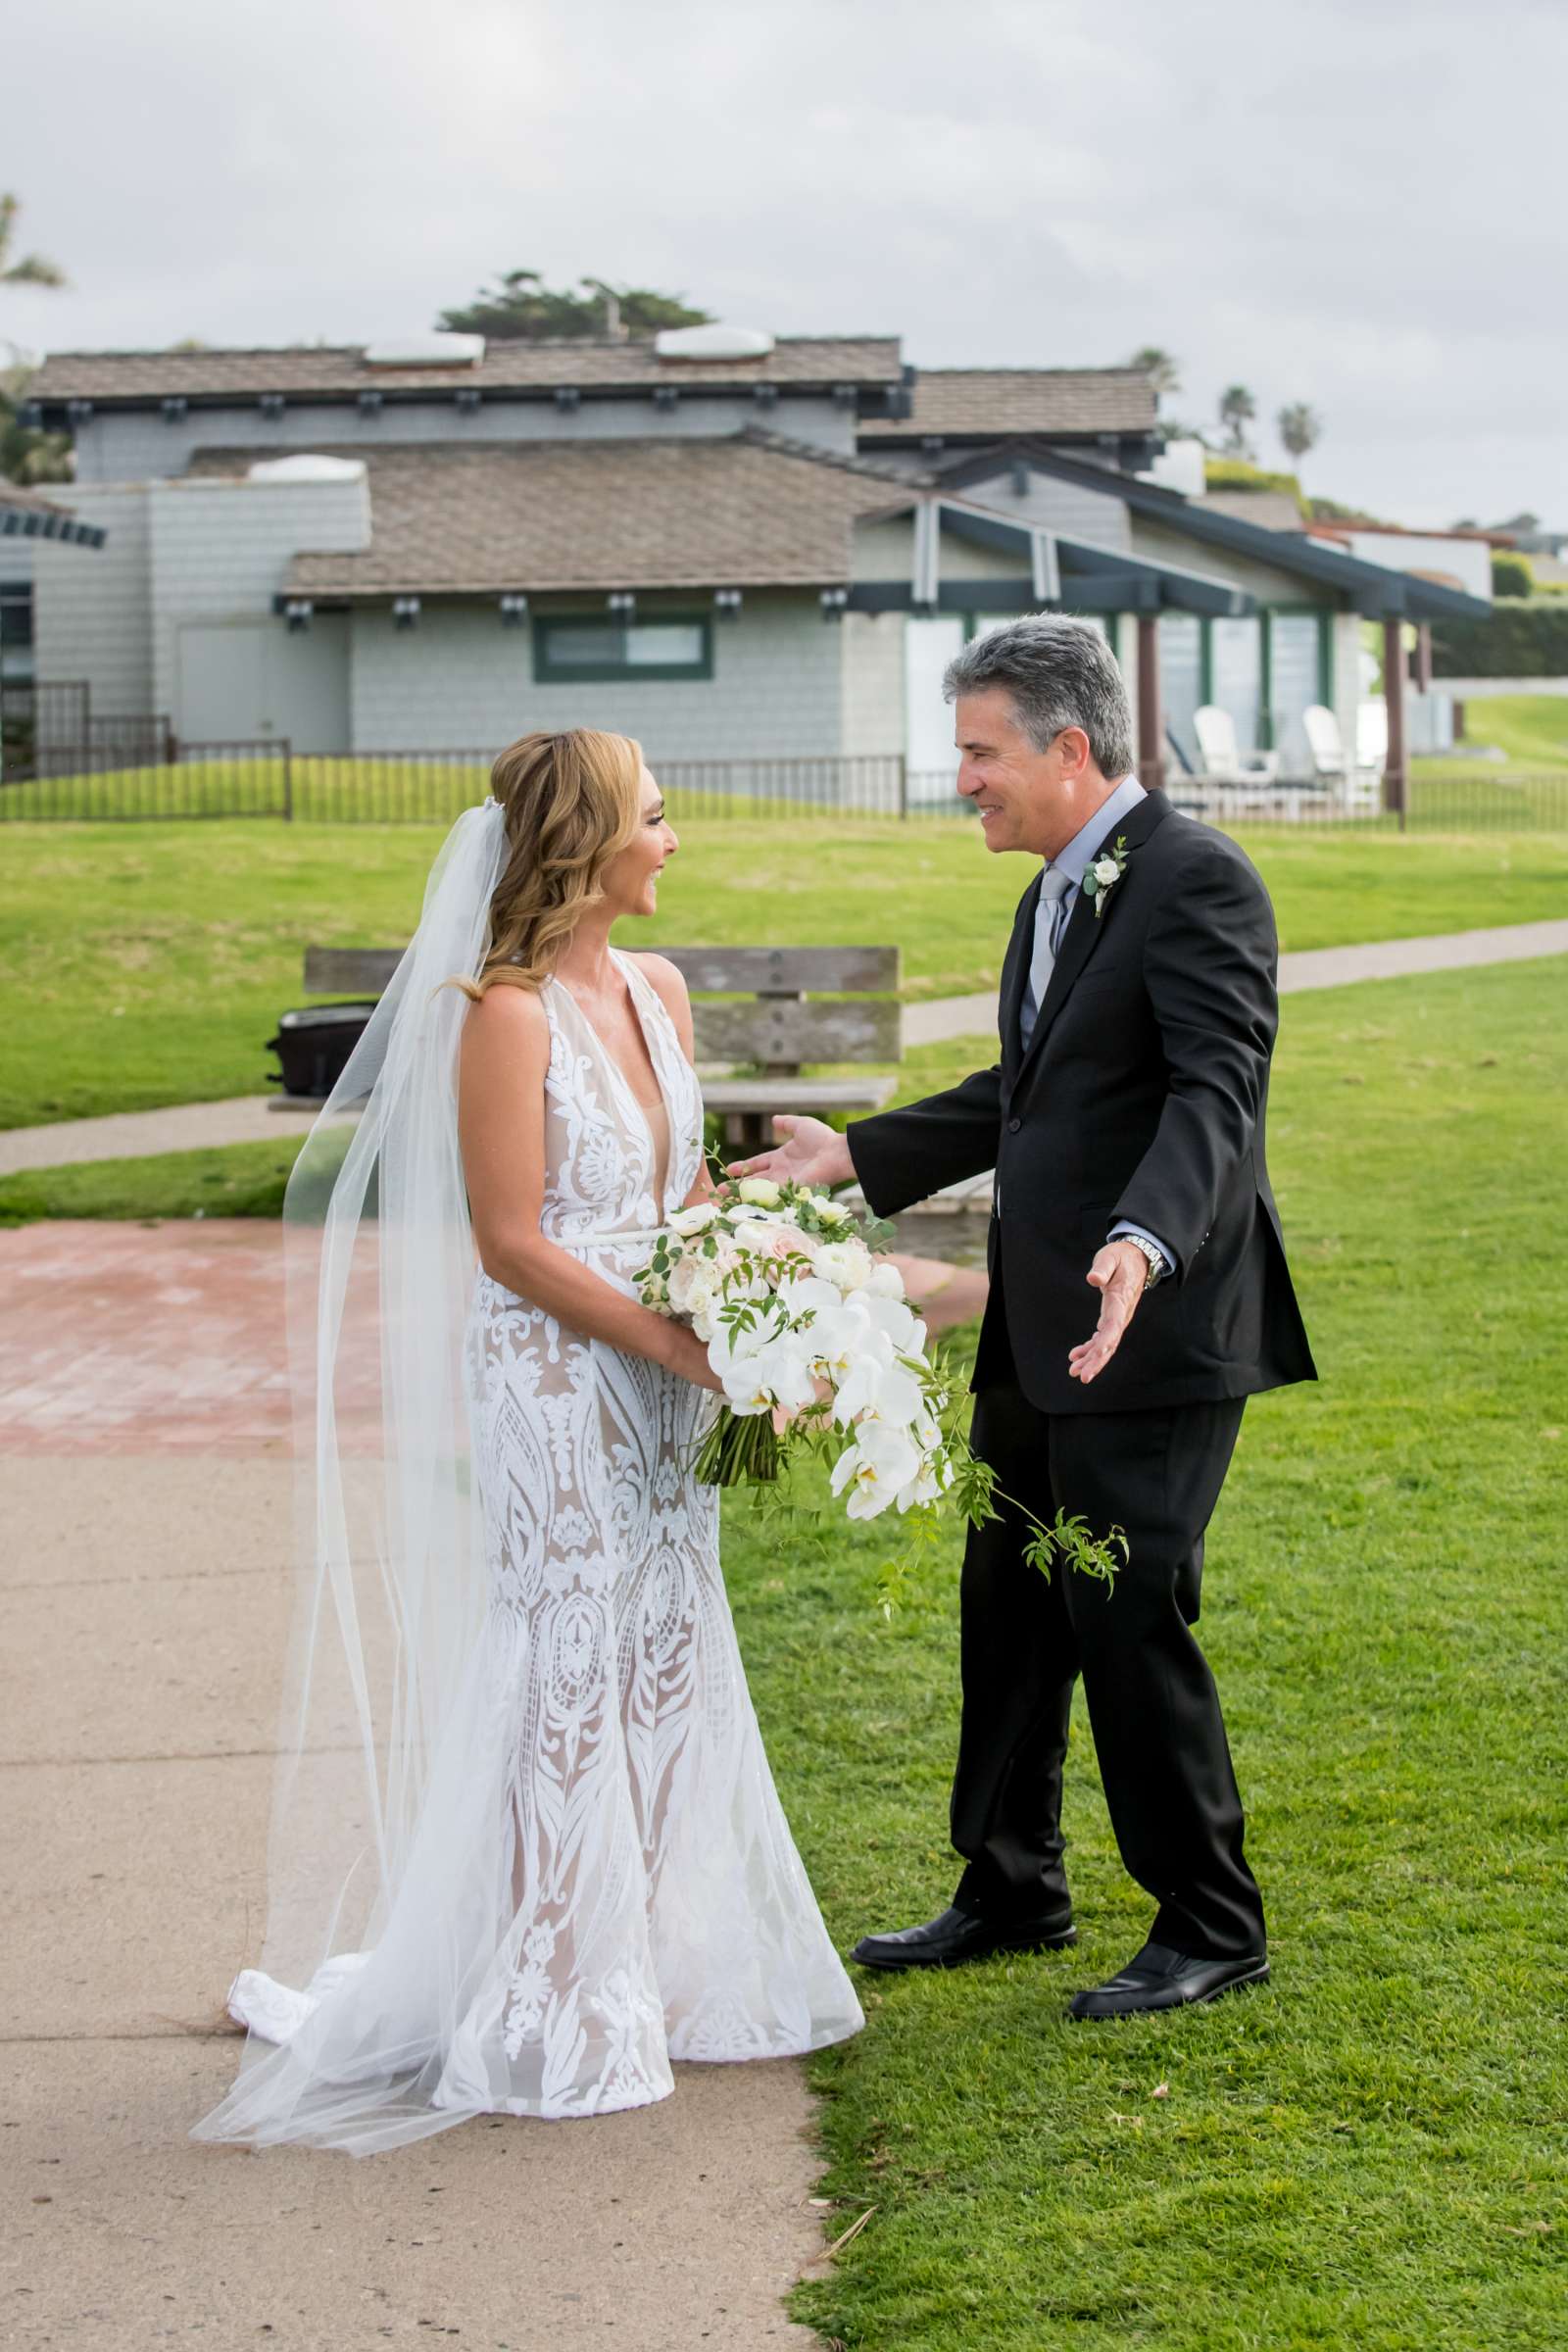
x,y
601,1877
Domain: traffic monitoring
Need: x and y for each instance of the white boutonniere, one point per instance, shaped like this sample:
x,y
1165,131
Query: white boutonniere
x,y
1105,873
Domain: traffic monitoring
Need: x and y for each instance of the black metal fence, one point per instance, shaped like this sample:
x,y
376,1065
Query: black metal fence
x,y
128,769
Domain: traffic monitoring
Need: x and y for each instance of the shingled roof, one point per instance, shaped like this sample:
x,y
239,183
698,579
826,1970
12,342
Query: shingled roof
x,y
753,511
343,371
985,404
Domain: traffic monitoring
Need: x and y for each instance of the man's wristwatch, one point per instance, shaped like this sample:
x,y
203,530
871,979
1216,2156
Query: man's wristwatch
x,y
1155,1254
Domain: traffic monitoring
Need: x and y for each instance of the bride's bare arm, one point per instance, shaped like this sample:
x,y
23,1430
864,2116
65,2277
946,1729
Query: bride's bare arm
x,y
501,1131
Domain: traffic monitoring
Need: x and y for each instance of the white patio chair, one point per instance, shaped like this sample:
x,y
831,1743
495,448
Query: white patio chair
x,y
1362,790
1243,780
1325,743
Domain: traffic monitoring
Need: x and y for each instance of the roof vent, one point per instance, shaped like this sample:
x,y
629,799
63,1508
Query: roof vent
x,y
305,468
713,343
427,351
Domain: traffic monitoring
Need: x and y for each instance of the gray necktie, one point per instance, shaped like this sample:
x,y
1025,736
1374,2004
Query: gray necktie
x,y
1054,887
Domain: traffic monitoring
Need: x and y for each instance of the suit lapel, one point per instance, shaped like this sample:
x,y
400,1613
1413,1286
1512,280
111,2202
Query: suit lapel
x,y
1084,927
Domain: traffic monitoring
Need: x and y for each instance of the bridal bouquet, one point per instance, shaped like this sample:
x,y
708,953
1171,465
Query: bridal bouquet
x,y
820,1352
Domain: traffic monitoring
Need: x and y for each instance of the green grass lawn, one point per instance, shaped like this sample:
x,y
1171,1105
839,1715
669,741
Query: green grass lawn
x,y
1369,2155
1532,728
1529,788
149,964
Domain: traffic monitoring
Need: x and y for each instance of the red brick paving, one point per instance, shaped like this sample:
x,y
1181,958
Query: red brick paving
x,y
167,1338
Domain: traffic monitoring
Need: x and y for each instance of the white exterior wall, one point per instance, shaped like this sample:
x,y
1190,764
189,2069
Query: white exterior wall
x,y
461,681
93,606
221,551
1163,545
1054,506
140,445
1344,651
1467,561
871,645
885,551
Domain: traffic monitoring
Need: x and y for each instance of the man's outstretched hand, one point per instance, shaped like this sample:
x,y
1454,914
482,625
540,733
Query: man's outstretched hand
x,y
1119,1272
811,1153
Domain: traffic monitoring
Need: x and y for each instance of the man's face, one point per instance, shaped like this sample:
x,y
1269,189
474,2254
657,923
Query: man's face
x,y
1024,796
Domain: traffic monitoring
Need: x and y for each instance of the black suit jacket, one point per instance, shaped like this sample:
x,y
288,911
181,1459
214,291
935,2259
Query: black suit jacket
x,y
1141,1096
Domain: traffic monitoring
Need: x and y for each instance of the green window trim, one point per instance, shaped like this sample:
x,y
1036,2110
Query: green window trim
x,y
549,672
1321,613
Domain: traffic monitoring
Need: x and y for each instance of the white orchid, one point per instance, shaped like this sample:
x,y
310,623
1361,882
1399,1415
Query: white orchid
x,y
899,1396
929,1482
874,1469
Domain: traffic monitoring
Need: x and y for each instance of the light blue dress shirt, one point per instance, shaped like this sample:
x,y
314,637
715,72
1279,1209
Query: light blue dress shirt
x,y
1073,862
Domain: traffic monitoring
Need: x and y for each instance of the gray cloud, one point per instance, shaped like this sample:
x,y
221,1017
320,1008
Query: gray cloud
x,y
1355,204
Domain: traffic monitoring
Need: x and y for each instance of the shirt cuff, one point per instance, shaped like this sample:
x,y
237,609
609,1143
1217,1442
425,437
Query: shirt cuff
x,y
1124,1227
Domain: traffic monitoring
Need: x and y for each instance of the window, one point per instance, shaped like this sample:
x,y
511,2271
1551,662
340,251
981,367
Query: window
x,y
569,652
15,631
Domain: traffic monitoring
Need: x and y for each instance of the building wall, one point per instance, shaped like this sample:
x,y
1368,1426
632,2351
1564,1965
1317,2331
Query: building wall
x,y
1466,560
1054,506
219,553
93,606
137,445
885,551
1163,545
871,645
461,681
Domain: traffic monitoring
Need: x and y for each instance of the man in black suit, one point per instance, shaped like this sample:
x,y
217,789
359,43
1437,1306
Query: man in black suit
x,y
1124,1120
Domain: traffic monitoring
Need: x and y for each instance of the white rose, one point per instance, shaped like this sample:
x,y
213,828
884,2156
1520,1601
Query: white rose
x,y
831,1212
696,1219
884,1280
1104,872
848,1264
760,1191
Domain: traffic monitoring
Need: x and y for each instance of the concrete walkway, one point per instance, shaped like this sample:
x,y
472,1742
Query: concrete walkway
x,y
144,1596
253,1118
946,1017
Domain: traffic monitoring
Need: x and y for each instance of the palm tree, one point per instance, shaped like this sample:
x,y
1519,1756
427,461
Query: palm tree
x,y
1237,409
1300,428
25,456
31,269
1162,370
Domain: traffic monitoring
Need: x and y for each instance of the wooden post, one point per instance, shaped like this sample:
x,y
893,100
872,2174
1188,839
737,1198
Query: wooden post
x,y
1423,657
1151,717
1395,768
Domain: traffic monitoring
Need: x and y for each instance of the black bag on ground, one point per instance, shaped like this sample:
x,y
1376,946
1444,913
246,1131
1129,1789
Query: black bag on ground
x,y
314,1044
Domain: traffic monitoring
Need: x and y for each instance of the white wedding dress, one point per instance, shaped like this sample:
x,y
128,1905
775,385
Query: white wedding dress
x,y
601,1877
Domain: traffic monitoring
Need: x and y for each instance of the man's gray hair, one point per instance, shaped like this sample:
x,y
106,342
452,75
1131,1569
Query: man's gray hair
x,y
1057,672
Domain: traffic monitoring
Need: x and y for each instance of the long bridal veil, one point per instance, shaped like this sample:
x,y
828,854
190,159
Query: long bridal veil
x,y
379,1265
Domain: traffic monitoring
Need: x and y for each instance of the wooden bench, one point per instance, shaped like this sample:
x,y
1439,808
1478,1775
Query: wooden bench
x,y
773,1009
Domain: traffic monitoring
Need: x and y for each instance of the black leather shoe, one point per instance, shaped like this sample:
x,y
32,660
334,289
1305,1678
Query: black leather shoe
x,y
1157,1977
959,1936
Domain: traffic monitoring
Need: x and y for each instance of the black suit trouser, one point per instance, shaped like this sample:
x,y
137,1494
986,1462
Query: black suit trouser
x,y
1159,1736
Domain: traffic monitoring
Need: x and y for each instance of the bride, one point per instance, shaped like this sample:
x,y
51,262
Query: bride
x,y
525,1848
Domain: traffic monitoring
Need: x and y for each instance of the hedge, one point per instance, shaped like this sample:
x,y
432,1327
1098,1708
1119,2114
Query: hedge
x,y
1511,575
1522,637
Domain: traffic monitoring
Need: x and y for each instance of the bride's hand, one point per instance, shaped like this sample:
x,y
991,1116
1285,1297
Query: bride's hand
x,y
688,1356
811,1153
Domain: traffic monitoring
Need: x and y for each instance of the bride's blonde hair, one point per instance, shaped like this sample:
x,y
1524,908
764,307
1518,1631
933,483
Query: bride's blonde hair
x,y
572,803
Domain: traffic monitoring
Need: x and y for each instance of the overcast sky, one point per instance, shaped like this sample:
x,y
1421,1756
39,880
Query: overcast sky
x,y
1346,202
